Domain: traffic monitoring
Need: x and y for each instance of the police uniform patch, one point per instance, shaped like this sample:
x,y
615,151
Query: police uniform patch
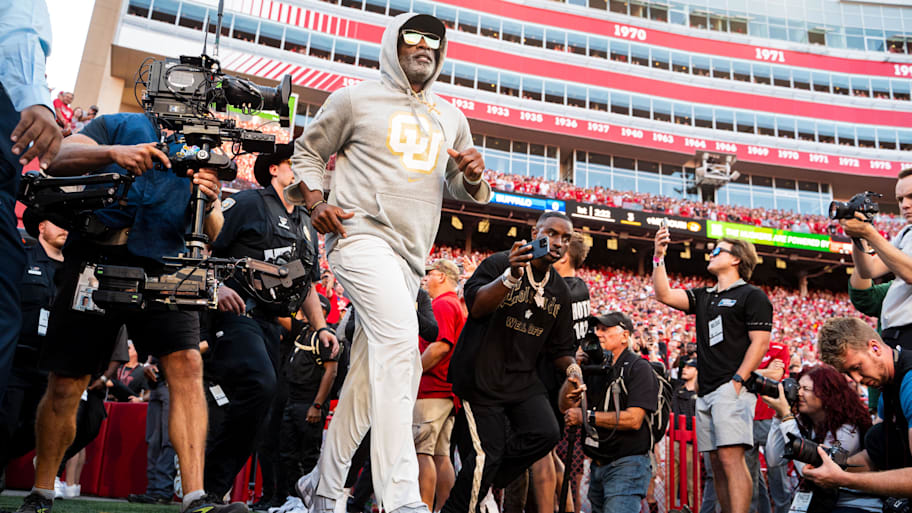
x,y
228,203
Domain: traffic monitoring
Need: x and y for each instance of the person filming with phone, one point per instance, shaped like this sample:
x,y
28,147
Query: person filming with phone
x,y
519,307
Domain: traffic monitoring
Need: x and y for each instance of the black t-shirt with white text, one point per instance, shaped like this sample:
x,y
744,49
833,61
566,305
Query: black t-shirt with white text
x,y
579,294
494,361
722,324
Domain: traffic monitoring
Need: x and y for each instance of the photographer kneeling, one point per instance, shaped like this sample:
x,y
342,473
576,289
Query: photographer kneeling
x,y
621,469
852,346
828,413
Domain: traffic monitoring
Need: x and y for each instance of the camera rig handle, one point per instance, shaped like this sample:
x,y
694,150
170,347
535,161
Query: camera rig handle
x,y
197,239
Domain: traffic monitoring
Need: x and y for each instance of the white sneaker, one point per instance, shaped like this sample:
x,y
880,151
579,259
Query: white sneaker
x,y
71,491
412,508
306,487
488,504
292,505
59,489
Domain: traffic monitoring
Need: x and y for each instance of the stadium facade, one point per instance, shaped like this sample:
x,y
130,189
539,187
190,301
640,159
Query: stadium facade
x,y
782,104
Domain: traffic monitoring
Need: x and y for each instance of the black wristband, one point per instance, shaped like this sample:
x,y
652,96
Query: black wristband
x,y
326,328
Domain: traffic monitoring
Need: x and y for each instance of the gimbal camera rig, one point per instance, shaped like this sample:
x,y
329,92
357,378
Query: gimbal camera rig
x,y
180,97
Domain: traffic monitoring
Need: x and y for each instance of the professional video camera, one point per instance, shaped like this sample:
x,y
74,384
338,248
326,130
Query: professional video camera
x,y
761,385
805,451
181,96
863,202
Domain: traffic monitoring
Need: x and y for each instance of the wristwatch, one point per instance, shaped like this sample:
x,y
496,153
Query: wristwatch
x,y
318,406
737,378
592,417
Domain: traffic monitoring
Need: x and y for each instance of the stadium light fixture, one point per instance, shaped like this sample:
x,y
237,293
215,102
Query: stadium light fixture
x,y
455,222
780,264
685,255
484,226
850,271
612,243
511,232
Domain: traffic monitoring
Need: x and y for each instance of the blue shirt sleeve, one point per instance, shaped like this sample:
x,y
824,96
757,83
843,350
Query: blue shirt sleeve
x,y
905,396
25,43
880,407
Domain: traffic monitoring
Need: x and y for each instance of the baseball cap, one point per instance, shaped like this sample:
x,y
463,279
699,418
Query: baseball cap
x,y
425,23
611,319
447,267
264,160
31,218
691,363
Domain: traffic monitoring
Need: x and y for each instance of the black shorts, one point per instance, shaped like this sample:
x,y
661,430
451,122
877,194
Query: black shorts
x,y
80,343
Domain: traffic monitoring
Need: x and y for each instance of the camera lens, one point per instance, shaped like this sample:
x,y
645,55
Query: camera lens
x,y
802,449
790,387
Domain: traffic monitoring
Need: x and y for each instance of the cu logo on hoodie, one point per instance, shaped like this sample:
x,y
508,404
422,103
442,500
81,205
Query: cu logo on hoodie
x,y
418,146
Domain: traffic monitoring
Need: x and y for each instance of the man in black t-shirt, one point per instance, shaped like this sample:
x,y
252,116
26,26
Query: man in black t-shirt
x,y
518,308
621,469
733,324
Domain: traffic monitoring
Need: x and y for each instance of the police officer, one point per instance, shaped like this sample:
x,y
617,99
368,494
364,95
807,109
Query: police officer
x,y
241,365
27,381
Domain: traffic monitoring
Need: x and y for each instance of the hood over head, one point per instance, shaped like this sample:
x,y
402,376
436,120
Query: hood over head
x,y
390,71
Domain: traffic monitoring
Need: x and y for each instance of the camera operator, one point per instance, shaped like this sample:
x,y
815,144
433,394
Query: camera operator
x,y
149,227
621,468
243,358
519,308
896,258
853,347
733,324
830,413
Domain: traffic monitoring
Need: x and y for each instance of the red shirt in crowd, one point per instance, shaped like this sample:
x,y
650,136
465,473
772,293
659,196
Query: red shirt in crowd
x,y
450,319
334,314
777,350
65,113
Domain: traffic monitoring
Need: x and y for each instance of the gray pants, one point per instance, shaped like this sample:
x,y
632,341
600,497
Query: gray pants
x,y
778,477
160,455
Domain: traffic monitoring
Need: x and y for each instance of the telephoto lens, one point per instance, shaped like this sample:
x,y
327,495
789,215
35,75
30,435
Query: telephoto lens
x,y
805,451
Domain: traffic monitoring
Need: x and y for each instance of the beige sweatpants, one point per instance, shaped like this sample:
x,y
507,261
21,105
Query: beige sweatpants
x,y
382,383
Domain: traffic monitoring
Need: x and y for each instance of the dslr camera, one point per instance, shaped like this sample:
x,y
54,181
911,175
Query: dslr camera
x,y
863,202
761,385
805,451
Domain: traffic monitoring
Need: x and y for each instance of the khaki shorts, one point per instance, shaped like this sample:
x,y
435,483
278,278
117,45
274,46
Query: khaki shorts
x,y
725,419
432,425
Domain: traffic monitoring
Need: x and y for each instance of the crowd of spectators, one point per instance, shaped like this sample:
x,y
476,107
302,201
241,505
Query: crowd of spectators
x,y
795,322
71,119
770,218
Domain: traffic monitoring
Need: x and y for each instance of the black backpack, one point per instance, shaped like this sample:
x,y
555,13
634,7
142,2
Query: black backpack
x,y
657,420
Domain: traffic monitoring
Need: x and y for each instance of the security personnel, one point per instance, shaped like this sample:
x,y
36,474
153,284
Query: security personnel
x,y
241,367
27,381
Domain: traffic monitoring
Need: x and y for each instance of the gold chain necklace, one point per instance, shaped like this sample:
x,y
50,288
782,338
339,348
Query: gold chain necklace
x,y
540,286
